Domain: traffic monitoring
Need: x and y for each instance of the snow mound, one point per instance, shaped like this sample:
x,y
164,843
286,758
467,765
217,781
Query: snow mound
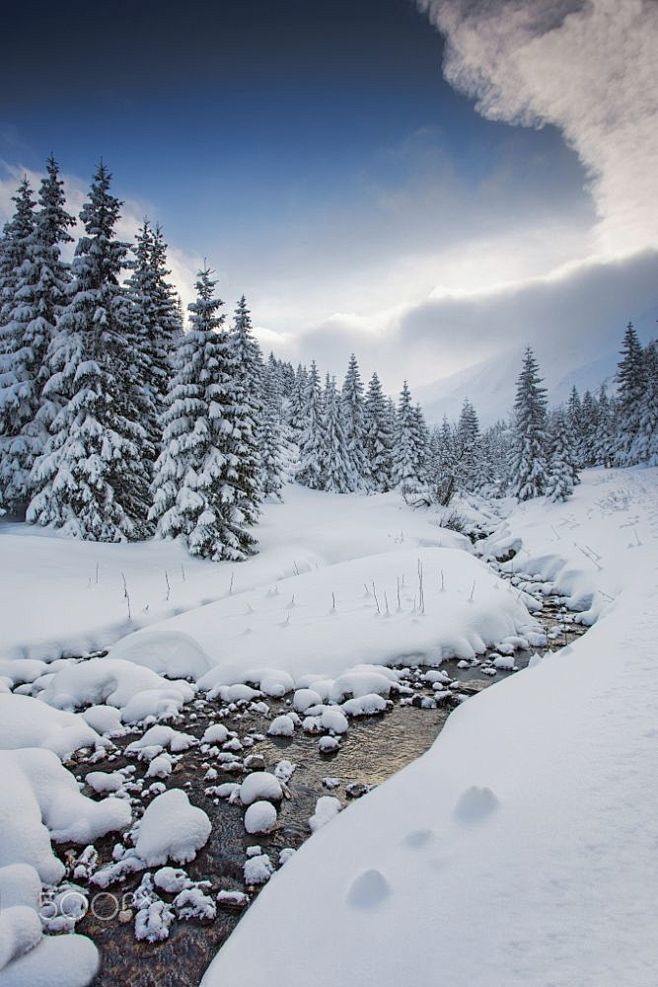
x,y
170,653
39,801
26,722
327,808
389,606
260,817
138,692
260,785
171,829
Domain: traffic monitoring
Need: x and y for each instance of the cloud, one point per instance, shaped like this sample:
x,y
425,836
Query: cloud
x,y
588,67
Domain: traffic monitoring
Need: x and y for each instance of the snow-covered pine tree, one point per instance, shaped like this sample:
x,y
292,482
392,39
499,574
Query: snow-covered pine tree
x,y
561,459
354,424
495,446
379,436
467,441
275,446
585,453
574,416
528,449
631,388
296,410
405,450
337,463
13,249
605,442
311,444
645,447
91,479
206,478
422,444
39,292
249,360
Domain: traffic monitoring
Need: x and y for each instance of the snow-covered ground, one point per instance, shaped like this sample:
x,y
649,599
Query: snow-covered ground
x,y
65,596
521,849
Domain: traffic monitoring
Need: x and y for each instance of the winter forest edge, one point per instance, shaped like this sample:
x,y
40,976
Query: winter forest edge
x,y
118,422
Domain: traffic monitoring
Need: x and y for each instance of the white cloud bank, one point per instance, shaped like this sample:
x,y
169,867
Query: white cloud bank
x,y
589,67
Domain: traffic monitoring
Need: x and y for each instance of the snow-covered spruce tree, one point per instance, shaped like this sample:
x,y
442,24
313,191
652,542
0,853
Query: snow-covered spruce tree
x,y
13,249
605,441
379,436
405,450
495,447
157,323
443,477
561,459
39,291
585,453
574,415
296,410
645,447
422,443
354,424
311,444
249,360
206,478
630,396
467,442
337,464
91,479
528,449
275,447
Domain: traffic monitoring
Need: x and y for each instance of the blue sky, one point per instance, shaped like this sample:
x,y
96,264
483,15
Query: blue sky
x,y
315,153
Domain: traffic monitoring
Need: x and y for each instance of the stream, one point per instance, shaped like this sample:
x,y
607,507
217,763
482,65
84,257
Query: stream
x,y
374,748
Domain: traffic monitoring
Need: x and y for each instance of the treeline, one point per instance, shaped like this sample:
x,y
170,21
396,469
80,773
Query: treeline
x,y
117,422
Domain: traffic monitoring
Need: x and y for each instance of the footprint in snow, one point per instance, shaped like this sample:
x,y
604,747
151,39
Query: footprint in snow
x,y
368,890
475,804
418,838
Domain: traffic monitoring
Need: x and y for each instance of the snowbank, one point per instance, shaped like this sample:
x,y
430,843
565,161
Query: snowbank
x,y
63,596
521,848
26,722
371,609
39,802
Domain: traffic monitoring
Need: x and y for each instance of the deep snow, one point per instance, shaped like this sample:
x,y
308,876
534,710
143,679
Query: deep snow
x,y
521,849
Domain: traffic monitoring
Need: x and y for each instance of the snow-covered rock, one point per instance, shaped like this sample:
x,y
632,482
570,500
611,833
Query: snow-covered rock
x,y
260,785
260,817
171,829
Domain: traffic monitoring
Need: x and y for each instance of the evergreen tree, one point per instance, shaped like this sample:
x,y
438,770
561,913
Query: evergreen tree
x,y
91,478
574,417
275,448
311,443
468,448
528,450
379,436
338,474
605,445
206,480
586,454
561,460
645,447
249,360
630,396
422,444
354,424
38,294
405,450
13,250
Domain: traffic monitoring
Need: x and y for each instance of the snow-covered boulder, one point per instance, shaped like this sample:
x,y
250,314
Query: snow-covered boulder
x,y
171,829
